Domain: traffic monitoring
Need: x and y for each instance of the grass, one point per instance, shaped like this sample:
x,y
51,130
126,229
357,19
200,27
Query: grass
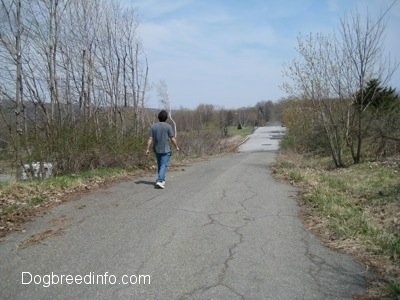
x,y
19,200
37,200
233,130
358,206
393,289
9,209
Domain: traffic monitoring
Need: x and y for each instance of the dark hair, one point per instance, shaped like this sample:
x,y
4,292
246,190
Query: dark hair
x,y
163,116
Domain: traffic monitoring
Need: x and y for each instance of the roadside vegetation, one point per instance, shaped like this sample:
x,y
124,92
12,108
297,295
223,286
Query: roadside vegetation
x,y
354,209
21,201
342,147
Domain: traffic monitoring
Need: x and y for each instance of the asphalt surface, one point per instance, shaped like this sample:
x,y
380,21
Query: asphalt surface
x,y
264,139
222,229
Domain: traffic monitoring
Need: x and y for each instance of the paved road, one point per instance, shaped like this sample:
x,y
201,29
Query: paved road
x,y
222,229
264,139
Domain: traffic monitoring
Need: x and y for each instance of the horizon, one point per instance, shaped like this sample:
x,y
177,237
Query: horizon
x,y
231,54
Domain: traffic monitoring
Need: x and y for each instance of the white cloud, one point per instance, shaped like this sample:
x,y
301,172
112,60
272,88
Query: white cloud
x,y
157,8
231,53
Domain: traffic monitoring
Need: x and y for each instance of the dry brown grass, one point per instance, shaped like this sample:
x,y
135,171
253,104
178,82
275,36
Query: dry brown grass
x,y
355,210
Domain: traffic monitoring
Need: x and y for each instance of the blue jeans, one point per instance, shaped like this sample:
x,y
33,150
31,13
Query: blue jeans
x,y
162,165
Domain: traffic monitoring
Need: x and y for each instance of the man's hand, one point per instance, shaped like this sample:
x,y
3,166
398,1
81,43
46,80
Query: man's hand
x,y
149,142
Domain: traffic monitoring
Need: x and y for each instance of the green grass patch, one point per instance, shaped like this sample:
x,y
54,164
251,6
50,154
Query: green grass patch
x,y
393,288
336,197
37,200
20,199
10,209
360,203
296,175
233,130
65,182
336,183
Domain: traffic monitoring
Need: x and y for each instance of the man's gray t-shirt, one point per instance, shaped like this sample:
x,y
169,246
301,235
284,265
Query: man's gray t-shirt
x,y
161,132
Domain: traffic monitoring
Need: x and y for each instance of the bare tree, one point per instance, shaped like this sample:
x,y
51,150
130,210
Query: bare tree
x,y
135,70
78,51
11,42
330,72
361,44
45,19
312,77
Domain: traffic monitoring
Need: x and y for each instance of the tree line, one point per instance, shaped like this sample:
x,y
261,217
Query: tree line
x,y
73,81
342,104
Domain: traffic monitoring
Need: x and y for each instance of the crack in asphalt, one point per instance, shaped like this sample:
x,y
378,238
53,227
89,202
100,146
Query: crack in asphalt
x,y
213,220
223,230
315,262
319,265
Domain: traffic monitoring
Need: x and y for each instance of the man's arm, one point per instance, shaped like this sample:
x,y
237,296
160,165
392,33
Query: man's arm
x,y
173,140
149,142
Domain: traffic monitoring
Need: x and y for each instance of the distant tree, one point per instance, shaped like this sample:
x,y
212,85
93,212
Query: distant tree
x,y
265,111
205,115
230,117
223,122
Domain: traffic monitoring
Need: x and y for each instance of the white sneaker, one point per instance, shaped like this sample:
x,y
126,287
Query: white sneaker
x,y
160,184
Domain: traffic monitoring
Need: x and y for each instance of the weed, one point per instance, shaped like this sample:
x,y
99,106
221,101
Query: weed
x,y
393,289
233,130
10,209
337,183
37,200
296,176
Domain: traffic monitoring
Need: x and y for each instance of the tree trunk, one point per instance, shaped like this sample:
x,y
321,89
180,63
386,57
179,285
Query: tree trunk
x,y
18,93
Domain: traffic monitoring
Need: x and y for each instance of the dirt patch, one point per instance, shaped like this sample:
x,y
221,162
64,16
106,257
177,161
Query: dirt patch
x,y
40,237
59,222
17,208
232,143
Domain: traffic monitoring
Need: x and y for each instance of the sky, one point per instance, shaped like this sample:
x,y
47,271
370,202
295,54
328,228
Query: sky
x,y
231,53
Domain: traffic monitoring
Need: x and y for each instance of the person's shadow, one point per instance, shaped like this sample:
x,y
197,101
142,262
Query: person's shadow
x,y
148,183
144,182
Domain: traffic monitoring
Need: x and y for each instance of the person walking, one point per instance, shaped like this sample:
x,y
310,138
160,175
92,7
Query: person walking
x,y
159,136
